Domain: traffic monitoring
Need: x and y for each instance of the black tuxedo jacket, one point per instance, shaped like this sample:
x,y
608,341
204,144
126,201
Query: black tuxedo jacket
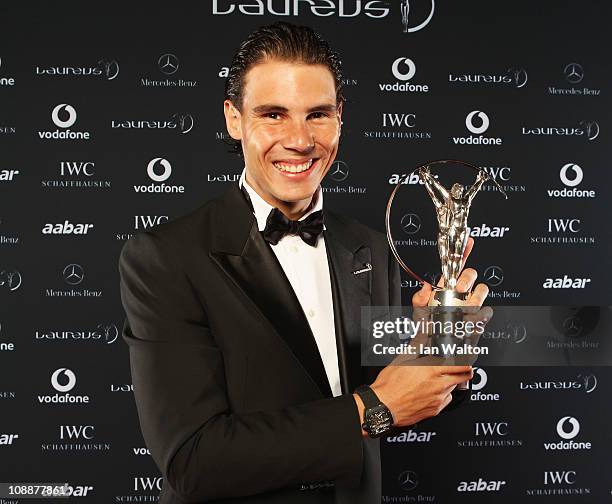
x,y
232,396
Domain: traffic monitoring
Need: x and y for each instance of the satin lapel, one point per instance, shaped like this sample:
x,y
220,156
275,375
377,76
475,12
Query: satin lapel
x,y
347,252
241,252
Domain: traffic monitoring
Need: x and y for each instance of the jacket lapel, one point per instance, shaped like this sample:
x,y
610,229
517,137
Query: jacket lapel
x,y
347,252
248,260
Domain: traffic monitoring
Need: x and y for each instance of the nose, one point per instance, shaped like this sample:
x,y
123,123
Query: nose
x,y
298,136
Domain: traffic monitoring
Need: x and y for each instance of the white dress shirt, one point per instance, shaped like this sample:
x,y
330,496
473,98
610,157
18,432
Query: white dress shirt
x,y
308,272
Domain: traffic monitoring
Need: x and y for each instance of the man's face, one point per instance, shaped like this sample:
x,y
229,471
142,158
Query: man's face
x,y
289,127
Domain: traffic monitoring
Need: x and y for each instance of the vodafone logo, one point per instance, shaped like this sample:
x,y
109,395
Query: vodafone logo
x,y
66,374
482,379
165,164
568,179
65,108
484,120
403,69
574,427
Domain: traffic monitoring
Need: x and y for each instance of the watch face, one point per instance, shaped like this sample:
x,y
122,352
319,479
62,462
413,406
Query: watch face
x,y
378,420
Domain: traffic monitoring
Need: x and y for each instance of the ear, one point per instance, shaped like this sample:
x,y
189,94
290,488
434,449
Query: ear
x,y
232,120
340,116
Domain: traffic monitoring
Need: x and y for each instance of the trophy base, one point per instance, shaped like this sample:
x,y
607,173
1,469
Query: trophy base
x,y
448,297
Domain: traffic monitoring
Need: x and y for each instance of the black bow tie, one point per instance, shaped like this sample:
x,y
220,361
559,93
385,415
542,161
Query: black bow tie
x,y
278,225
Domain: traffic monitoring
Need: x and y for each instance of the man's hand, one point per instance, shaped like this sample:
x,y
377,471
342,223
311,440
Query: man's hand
x,y
416,392
464,284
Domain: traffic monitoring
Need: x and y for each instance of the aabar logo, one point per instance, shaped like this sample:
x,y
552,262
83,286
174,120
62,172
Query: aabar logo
x,y
66,227
566,282
480,485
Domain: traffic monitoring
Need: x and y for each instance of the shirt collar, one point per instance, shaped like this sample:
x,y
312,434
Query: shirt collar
x,y
261,208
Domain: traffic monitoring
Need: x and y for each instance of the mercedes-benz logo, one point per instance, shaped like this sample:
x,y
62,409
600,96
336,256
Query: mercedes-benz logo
x,y
184,122
168,63
493,276
408,480
73,274
411,223
572,326
339,171
10,279
574,73
408,15
110,68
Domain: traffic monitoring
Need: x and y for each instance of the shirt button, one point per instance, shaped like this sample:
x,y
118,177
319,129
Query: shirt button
x,y
311,313
293,249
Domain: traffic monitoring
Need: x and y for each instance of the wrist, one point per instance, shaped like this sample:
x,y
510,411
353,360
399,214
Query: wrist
x,y
377,418
361,411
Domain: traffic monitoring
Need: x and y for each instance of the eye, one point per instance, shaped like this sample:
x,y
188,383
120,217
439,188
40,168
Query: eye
x,y
273,115
319,115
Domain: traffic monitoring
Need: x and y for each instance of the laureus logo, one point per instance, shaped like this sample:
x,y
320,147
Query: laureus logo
x,y
10,280
416,14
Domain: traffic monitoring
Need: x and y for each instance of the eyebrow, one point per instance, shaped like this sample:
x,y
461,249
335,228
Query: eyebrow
x,y
262,109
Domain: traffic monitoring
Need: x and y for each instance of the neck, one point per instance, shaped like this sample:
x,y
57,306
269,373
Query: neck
x,y
293,210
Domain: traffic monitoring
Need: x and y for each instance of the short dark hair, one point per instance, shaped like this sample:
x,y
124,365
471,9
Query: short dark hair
x,y
285,42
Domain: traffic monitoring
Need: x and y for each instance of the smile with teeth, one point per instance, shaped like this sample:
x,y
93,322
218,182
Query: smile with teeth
x,y
293,168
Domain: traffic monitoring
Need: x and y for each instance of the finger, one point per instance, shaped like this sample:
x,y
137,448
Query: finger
x,y
479,295
421,297
452,370
466,253
483,315
456,379
466,279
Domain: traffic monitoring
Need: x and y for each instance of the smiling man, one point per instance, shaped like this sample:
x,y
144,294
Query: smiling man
x,y
243,316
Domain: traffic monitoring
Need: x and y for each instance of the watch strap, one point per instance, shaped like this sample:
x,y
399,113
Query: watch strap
x,y
369,398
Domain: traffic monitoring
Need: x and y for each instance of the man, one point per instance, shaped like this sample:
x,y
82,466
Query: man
x,y
243,316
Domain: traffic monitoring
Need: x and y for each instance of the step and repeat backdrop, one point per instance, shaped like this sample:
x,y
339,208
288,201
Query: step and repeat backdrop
x,y
111,123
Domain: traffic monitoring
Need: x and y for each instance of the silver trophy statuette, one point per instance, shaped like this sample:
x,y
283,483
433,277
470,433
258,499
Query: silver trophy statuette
x,y
452,209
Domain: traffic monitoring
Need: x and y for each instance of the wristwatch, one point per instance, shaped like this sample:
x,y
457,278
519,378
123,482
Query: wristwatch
x,y
377,419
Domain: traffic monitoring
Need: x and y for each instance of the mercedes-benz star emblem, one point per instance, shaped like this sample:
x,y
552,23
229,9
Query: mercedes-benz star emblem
x,y
408,480
168,63
411,223
73,274
339,171
493,276
572,326
574,73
